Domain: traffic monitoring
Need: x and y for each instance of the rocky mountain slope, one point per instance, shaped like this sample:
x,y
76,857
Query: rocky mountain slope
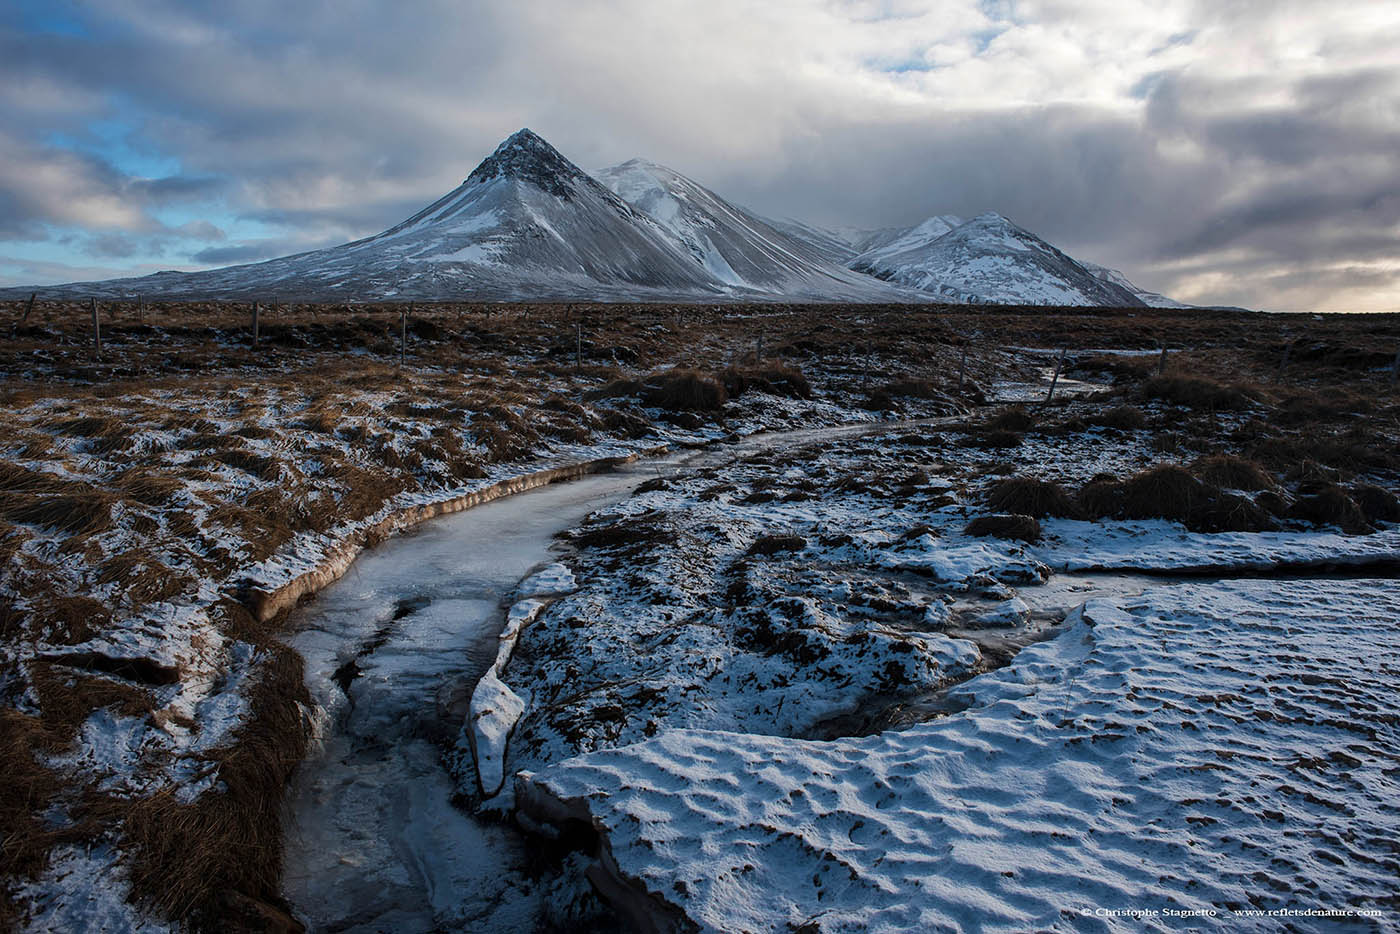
x,y
990,259
734,246
528,224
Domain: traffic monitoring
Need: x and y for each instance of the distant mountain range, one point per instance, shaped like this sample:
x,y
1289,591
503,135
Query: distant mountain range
x,y
528,224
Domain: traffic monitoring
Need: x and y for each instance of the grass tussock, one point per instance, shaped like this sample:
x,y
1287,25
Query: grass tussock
x,y
1029,496
1166,492
1377,504
775,379
77,511
1233,473
1330,505
1172,492
1015,418
1101,498
775,544
1023,528
1199,392
684,391
27,792
1121,417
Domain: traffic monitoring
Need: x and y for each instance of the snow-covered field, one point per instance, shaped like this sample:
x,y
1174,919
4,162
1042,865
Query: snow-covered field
x,y
778,679
704,701
1211,756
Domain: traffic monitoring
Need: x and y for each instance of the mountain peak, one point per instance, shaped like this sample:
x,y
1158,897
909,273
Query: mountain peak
x,y
526,156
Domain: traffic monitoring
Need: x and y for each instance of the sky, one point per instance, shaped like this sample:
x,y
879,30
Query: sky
x,y
1242,153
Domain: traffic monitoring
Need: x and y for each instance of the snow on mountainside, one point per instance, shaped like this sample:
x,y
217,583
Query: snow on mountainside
x,y
830,244
526,223
879,245
990,259
739,249
1151,299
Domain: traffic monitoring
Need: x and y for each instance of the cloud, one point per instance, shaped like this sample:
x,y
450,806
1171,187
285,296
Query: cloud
x,y
1201,147
245,252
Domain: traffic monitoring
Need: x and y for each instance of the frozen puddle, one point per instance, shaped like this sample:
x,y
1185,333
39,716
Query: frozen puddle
x,y
392,651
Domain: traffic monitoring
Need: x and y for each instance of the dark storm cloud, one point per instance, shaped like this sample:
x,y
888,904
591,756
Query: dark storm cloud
x,y
1205,148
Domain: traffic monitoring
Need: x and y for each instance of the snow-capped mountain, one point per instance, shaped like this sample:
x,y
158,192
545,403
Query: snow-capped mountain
x,y
1150,299
830,244
990,259
528,224
877,246
734,246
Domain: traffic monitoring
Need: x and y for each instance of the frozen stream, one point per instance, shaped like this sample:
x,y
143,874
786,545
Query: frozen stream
x,y
392,651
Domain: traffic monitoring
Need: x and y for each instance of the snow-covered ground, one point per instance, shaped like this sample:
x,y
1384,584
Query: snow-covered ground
x,y
1220,750
705,699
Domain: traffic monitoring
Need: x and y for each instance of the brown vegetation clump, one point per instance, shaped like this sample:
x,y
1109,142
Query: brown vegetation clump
x,y
77,510
1165,492
779,380
1123,417
190,861
1329,504
26,793
1101,498
1197,392
1377,503
1172,492
684,391
773,544
1232,473
1024,528
1015,418
996,439
1029,496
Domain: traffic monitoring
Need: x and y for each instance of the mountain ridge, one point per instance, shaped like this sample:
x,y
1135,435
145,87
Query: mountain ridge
x,y
529,224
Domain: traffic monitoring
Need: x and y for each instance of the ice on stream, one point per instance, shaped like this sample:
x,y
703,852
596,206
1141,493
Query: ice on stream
x,y
374,839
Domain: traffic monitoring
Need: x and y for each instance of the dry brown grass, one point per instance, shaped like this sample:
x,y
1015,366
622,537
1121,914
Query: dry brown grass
x,y
63,506
188,860
1232,473
1166,492
1329,504
1377,504
684,391
141,579
1198,392
1024,528
1029,496
778,379
1121,417
27,790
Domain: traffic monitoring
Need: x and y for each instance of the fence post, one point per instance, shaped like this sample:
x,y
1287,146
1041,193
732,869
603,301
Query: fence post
x,y
1162,360
96,330
255,324
403,335
1287,352
29,307
1054,380
140,309
962,368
